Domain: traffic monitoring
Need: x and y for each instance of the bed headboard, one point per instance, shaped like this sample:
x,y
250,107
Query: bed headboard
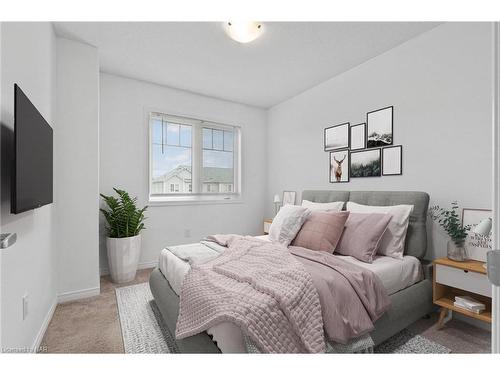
x,y
416,238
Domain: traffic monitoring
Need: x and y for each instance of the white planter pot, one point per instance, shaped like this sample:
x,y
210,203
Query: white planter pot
x,y
123,257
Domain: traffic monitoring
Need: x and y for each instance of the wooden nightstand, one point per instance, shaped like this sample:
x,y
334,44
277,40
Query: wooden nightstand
x,y
452,279
267,225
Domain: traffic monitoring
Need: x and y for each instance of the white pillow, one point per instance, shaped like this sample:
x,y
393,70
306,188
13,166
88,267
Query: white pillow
x,y
287,223
392,242
330,206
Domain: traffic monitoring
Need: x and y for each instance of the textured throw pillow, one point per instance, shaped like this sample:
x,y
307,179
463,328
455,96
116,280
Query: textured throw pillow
x,y
393,241
329,206
321,231
362,235
287,224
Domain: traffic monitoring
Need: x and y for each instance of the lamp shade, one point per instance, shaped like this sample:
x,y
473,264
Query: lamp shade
x,y
243,32
484,227
277,198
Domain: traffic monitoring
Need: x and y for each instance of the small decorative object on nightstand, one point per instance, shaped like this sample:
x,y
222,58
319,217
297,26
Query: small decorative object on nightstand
x,y
453,280
289,197
276,202
267,225
450,222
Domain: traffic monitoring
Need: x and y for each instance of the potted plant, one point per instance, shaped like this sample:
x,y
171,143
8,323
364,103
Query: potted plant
x,y
124,222
450,222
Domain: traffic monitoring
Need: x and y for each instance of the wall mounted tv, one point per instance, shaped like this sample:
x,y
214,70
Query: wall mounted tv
x,y
33,164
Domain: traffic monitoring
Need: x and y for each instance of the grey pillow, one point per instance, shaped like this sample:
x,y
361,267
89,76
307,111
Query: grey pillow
x,y
362,235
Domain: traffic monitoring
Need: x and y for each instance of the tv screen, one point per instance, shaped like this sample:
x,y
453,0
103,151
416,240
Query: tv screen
x,y
32,175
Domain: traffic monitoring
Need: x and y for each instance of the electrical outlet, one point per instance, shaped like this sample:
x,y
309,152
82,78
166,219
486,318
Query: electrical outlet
x,y
187,233
25,306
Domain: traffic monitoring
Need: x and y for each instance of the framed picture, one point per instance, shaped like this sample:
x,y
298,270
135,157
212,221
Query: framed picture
x,y
379,127
337,137
477,245
365,163
358,136
288,197
339,166
392,161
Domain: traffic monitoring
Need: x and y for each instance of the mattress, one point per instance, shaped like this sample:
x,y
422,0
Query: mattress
x,y
395,274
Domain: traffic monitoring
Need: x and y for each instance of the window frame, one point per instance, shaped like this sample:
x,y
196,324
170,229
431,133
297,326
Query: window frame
x,y
197,195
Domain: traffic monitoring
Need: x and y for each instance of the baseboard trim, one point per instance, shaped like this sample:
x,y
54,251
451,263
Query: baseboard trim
x,y
143,265
78,294
41,332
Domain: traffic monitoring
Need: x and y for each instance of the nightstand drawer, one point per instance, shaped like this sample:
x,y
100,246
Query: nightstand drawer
x,y
467,280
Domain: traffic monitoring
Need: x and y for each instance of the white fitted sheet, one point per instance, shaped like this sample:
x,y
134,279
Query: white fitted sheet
x,y
395,274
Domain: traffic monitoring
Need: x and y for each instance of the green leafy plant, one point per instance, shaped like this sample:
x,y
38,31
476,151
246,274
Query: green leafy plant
x,y
123,217
450,222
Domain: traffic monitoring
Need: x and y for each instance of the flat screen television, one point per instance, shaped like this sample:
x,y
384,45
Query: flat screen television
x,y
33,162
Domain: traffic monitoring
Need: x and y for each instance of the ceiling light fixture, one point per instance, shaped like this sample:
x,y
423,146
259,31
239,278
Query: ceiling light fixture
x,y
243,32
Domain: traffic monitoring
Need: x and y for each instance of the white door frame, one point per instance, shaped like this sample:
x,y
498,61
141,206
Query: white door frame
x,y
495,328
1,26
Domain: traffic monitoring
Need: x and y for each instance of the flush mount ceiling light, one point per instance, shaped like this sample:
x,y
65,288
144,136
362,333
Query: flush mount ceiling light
x,y
243,32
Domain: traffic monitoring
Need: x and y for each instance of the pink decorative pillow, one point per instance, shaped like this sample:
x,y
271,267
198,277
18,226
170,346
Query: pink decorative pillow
x,y
321,231
362,234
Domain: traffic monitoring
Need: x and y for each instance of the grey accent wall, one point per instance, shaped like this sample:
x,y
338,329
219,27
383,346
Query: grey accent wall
x,y
440,86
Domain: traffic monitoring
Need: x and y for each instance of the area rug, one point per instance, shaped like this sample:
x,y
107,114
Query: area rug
x,y
144,331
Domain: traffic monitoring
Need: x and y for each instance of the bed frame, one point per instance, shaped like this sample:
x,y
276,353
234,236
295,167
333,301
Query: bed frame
x,y
407,305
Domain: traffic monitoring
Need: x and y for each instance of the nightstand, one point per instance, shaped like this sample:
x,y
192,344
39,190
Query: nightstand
x,y
452,279
267,225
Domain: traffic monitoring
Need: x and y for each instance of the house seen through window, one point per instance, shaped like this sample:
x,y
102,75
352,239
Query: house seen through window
x,y
192,157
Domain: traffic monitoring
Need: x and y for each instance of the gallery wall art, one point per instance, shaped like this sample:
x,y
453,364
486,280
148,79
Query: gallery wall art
x,y
379,127
339,166
364,149
358,136
366,163
337,137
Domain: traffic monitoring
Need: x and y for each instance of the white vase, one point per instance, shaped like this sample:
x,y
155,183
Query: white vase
x,y
123,257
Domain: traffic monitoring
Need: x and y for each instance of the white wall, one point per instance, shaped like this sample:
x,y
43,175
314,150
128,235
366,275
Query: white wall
x,y
77,166
440,86
124,162
28,59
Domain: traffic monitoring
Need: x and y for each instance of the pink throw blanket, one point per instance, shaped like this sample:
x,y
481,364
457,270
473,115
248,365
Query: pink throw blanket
x,y
283,302
260,287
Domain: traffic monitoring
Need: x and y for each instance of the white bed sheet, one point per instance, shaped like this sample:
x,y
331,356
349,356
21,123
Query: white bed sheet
x,y
395,274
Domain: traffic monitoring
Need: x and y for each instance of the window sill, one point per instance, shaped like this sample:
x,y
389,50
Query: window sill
x,y
193,200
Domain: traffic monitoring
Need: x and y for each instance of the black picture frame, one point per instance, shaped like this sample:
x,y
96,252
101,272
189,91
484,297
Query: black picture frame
x,y
379,143
365,135
348,132
330,165
400,161
354,153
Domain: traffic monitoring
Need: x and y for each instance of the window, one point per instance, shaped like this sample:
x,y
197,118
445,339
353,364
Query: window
x,y
192,159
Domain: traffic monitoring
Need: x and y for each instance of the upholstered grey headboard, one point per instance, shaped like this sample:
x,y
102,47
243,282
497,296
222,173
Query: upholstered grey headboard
x,y
416,238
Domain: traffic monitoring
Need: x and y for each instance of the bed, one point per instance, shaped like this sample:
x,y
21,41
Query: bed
x,y
408,282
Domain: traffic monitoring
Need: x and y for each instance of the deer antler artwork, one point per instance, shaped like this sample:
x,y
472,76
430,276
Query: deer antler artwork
x,y
338,169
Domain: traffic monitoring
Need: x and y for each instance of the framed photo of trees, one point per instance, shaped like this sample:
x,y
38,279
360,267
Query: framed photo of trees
x,y
366,163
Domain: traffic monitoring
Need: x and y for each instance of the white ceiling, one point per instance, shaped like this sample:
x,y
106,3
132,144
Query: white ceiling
x,y
287,59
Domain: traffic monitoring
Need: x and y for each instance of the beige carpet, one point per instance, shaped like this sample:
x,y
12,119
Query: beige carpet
x,y
92,325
